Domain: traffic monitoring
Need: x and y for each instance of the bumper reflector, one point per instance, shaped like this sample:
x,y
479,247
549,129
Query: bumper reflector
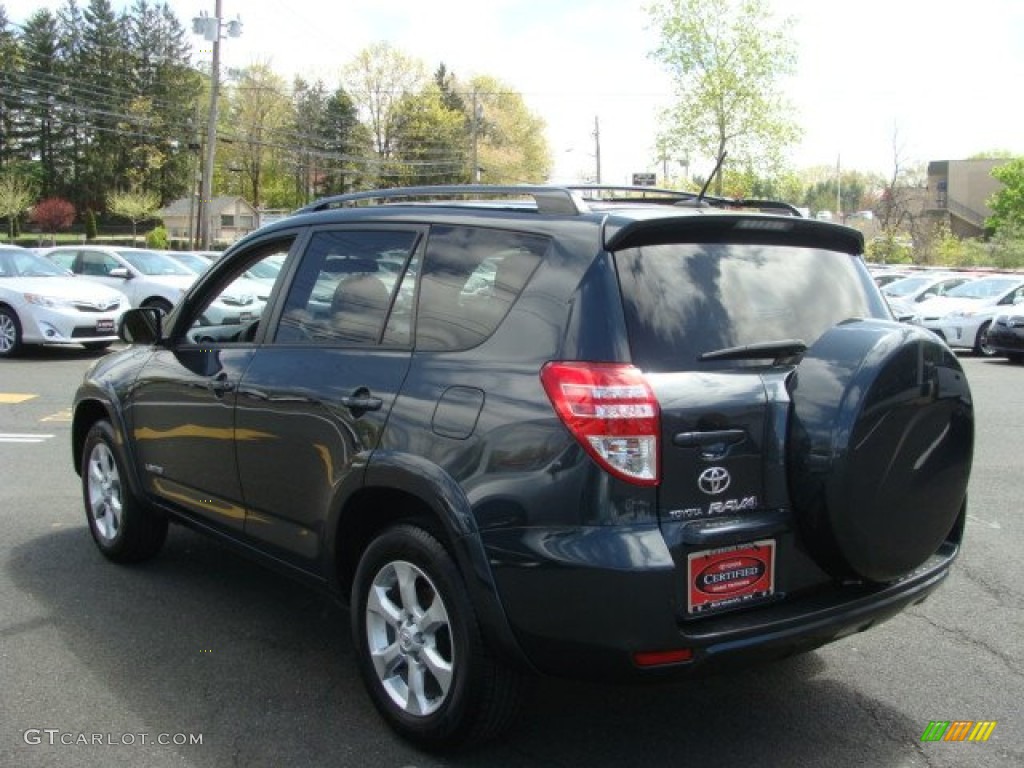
x,y
659,658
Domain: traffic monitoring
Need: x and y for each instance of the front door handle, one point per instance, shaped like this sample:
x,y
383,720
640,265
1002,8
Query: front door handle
x,y
220,384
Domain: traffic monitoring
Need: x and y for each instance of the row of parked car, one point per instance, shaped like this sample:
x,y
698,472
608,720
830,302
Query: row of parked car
x,y
981,312
76,294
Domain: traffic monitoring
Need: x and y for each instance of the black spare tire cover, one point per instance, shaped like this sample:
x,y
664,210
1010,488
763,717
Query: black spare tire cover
x,y
879,448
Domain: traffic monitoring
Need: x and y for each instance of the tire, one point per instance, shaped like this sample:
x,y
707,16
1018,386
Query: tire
x,y
879,449
1015,357
414,628
96,345
162,304
981,346
125,529
10,333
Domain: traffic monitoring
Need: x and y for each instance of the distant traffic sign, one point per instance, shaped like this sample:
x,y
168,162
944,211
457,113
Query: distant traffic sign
x,y
645,179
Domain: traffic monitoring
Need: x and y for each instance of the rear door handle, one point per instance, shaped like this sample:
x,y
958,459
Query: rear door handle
x,y
362,401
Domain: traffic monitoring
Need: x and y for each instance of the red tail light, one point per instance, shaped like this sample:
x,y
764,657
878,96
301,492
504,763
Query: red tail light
x,y
611,410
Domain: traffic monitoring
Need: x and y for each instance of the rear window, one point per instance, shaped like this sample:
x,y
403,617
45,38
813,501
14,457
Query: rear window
x,y
684,299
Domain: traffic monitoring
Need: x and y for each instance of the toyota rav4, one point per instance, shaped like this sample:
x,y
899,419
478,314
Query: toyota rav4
x,y
591,432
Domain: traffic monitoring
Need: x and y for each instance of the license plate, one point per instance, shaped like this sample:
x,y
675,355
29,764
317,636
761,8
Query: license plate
x,y
105,326
731,576
245,317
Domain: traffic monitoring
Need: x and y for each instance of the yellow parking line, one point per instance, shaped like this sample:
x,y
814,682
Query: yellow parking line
x,y
14,398
64,415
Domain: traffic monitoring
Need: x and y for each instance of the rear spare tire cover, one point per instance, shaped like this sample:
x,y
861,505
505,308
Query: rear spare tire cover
x,y
879,448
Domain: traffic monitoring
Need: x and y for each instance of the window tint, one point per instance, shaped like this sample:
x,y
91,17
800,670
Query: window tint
x,y
682,300
98,264
471,278
343,289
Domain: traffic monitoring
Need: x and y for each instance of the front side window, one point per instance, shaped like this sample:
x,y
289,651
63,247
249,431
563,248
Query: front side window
x,y
684,299
233,310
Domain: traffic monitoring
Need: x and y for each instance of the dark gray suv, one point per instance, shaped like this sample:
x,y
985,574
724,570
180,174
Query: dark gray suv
x,y
586,432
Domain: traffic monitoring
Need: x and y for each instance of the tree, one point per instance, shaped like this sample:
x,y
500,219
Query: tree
x,y
135,205
258,113
378,79
511,145
52,215
1008,203
726,58
16,195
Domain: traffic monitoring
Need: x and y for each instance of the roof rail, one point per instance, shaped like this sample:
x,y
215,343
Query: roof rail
x,y
627,194
548,199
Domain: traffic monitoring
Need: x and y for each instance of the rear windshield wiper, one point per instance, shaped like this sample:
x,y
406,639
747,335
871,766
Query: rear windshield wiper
x,y
781,351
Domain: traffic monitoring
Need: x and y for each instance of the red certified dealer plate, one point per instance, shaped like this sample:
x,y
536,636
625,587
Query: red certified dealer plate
x,y
731,576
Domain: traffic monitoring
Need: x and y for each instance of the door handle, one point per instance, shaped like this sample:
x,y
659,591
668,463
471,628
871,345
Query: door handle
x,y
362,403
220,384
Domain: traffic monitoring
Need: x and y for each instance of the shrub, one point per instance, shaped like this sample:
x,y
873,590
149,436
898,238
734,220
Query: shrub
x,y
157,238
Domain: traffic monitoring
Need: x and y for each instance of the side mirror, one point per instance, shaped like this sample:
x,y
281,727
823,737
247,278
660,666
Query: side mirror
x,y
141,326
120,272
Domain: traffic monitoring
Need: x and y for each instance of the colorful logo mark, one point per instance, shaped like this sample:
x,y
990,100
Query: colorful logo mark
x,y
958,730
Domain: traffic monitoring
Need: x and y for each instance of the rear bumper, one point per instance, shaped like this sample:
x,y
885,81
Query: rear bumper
x,y
574,615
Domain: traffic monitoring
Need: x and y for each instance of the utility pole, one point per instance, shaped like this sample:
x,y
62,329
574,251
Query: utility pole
x,y
209,27
597,148
839,189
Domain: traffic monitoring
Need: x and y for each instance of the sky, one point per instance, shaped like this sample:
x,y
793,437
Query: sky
x,y
876,79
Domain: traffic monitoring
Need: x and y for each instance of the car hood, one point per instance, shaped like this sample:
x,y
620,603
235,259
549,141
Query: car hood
x,y
65,288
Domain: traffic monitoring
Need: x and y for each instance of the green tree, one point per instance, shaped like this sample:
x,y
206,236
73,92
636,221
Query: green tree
x,y
9,64
511,145
258,114
378,80
429,141
135,205
38,123
727,58
1008,203
16,196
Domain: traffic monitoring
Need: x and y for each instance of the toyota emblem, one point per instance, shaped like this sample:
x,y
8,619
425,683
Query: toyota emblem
x,y
714,480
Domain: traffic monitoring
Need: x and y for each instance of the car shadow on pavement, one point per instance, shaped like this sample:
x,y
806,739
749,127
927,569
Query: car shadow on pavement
x,y
200,640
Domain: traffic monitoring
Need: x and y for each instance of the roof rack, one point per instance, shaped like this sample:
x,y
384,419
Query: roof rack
x,y
626,194
548,199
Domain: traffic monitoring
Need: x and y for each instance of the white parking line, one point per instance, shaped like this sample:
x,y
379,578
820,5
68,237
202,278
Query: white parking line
x,y
9,437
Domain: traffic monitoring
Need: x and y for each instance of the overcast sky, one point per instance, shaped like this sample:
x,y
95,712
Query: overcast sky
x,y
944,79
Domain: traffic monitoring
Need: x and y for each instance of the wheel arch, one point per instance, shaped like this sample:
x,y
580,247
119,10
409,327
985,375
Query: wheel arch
x,y
87,411
400,488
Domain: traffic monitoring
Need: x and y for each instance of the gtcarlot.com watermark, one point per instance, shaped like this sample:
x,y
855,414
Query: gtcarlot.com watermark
x,y
57,737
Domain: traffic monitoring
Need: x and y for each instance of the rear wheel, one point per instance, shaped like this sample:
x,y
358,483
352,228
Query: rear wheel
x,y
10,333
125,529
419,646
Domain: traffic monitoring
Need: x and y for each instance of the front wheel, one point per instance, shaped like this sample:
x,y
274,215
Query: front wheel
x,y
981,345
162,304
94,346
419,647
10,333
125,529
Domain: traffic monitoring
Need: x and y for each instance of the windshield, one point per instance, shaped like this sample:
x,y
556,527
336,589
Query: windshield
x,y
985,288
153,263
18,264
266,269
907,286
684,300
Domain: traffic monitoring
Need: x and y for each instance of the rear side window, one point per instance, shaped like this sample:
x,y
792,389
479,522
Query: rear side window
x,y
684,299
471,277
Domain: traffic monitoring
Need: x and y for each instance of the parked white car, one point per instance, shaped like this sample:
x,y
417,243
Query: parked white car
x,y
152,279
40,303
963,316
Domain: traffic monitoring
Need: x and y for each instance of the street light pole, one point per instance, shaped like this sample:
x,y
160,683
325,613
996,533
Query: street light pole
x,y
209,28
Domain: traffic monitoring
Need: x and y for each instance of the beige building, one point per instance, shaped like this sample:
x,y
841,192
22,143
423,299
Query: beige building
x,y
229,218
958,194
